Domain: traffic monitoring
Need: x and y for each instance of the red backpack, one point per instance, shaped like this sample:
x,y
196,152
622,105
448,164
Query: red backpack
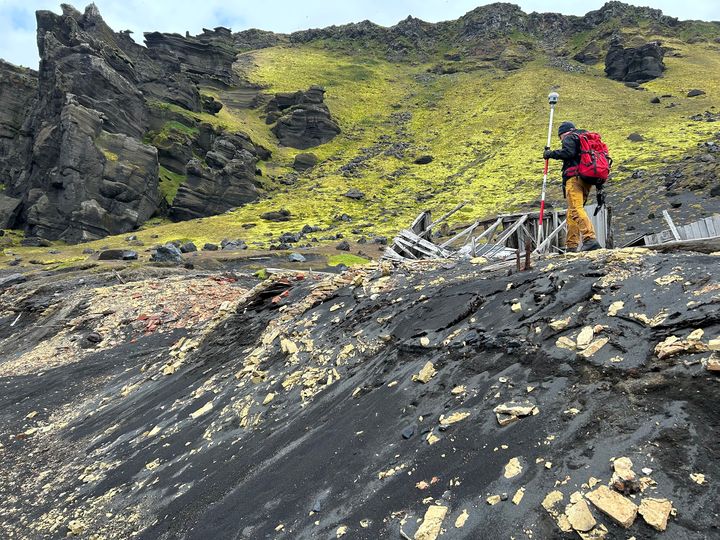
x,y
595,161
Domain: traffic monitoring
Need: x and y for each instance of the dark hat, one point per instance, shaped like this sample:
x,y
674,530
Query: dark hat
x,y
565,127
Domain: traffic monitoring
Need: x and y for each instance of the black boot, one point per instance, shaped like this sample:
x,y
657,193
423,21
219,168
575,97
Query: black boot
x,y
590,245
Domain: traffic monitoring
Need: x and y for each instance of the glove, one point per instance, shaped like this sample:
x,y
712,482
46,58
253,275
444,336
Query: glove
x,y
547,153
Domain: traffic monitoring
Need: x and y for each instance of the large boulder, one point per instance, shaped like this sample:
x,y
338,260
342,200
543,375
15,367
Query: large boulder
x,y
302,119
9,211
634,64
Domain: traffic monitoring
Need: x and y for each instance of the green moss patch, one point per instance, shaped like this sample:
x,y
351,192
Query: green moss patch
x,y
169,183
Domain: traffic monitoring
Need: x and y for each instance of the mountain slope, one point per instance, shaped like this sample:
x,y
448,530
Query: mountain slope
x,y
479,115
294,409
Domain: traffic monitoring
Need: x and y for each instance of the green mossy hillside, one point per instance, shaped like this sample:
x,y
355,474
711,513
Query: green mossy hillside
x,y
485,130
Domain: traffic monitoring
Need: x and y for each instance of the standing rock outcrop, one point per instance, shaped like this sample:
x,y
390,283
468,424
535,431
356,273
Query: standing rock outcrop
x,y
224,179
303,119
634,64
85,174
87,183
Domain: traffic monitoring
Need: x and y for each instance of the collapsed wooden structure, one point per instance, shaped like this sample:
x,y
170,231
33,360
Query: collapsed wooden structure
x,y
702,235
499,238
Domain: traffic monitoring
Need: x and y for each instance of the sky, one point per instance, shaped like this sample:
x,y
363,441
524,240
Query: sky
x,y
17,17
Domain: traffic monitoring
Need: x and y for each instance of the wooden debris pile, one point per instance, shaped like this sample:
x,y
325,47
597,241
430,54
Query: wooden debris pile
x,y
701,235
499,239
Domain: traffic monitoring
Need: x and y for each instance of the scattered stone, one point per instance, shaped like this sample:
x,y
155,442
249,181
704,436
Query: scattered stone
x,y
276,215
698,478
355,194
453,418
635,137
461,519
585,337
12,279
76,527
210,247
509,412
518,497
695,92
458,390
118,255
624,478
188,247
233,245
341,531
93,337
425,374
296,257
713,364
167,253
425,341
594,347
564,342
432,523
579,515
516,307
408,432
343,246
512,468
559,324
656,512
655,100
611,503
550,503
35,241
673,346
202,410
423,160
304,161
492,500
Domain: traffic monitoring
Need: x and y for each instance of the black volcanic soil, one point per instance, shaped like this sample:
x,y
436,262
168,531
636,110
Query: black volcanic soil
x,y
145,434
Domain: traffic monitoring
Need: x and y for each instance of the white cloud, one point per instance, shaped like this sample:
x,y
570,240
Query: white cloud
x,y
17,19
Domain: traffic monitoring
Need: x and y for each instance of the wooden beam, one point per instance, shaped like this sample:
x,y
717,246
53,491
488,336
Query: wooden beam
x,y
669,220
489,231
462,233
445,216
550,237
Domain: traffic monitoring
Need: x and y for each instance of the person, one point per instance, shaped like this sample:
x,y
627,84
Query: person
x,y
575,190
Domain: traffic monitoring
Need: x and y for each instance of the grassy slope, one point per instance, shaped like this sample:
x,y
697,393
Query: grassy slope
x,y
485,129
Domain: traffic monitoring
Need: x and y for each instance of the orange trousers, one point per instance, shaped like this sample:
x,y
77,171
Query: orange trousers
x,y
578,222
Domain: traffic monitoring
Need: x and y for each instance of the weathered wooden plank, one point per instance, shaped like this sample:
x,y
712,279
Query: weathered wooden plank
x,y
703,245
415,239
489,232
703,229
711,227
409,248
548,241
500,242
462,233
670,223
447,215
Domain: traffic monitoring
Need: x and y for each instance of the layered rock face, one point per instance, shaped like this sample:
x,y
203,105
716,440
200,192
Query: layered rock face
x,y
302,118
224,179
86,189
72,161
18,95
634,64
84,174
